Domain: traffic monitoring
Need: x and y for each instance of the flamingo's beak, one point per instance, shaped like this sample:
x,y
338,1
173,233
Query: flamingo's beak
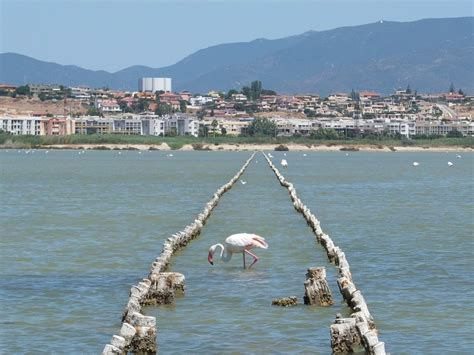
x,y
209,258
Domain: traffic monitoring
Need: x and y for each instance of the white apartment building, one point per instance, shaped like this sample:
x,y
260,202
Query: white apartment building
x,y
154,84
157,127
21,125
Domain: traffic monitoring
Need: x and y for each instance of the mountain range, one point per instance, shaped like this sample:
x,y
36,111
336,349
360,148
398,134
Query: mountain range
x,y
427,54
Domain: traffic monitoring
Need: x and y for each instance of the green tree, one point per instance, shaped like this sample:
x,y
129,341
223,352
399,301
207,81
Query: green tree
x,y
325,133
229,94
355,96
200,114
203,131
255,90
262,127
246,91
163,109
214,125
172,132
23,90
94,111
454,134
182,106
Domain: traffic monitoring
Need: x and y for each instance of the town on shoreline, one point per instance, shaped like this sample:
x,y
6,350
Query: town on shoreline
x,y
154,117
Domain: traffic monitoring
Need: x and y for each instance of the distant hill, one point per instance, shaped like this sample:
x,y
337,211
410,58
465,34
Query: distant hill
x,y
427,54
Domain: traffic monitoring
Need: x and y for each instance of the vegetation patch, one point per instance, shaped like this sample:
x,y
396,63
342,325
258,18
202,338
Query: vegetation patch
x,y
349,149
281,148
200,146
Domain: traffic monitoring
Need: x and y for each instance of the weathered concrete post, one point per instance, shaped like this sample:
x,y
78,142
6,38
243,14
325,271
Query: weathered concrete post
x,y
163,288
316,286
344,335
144,341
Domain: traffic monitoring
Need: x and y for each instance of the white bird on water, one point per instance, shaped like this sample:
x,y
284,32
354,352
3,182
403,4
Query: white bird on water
x,y
415,163
169,155
270,156
284,162
284,154
458,156
450,164
238,243
304,154
243,182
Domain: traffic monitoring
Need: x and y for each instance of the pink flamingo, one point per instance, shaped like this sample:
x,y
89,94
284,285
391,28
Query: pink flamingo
x,y
238,243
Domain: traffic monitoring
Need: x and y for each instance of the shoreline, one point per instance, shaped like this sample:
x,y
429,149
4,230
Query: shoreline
x,y
226,147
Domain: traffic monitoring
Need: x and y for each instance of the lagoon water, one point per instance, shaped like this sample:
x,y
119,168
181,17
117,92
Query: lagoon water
x,y
78,230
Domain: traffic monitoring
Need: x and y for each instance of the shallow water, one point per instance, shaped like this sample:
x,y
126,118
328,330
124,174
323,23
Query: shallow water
x,y
79,229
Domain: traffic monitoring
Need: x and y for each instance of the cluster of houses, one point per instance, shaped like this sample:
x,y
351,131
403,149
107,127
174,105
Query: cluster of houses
x,y
184,124
403,113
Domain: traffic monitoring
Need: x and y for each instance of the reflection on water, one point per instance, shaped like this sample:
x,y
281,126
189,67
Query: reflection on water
x,y
79,230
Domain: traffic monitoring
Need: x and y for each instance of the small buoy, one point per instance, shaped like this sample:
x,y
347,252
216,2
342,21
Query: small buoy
x,y
450,164
415,163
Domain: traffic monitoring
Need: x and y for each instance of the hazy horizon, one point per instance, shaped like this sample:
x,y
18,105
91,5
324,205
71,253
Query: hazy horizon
x,y
112,35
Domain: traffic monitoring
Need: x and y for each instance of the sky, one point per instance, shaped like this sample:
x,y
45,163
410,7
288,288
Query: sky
x,y
114,34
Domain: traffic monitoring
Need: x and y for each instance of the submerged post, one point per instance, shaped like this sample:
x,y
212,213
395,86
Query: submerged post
x,y
316,287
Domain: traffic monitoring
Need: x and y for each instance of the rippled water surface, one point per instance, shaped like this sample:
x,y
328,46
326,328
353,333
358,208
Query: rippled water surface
x,y
78,230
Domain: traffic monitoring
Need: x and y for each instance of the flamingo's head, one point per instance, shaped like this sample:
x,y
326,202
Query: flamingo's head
x,y
210,256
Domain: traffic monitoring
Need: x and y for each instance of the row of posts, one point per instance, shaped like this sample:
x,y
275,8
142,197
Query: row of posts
x,y
347,334
138,331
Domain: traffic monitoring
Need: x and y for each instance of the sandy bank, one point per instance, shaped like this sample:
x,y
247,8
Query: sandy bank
x,y
258,147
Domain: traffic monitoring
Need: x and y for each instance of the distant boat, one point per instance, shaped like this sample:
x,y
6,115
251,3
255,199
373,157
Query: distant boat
x,y
415,163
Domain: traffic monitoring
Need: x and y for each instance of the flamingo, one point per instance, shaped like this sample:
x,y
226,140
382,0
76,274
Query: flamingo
x,y
284,162
238,243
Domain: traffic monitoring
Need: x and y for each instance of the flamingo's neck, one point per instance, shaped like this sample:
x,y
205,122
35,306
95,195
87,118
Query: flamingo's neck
x,y
225,255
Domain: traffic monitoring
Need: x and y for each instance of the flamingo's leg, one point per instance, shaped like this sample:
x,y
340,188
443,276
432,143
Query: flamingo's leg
x,y
255,257
243,255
